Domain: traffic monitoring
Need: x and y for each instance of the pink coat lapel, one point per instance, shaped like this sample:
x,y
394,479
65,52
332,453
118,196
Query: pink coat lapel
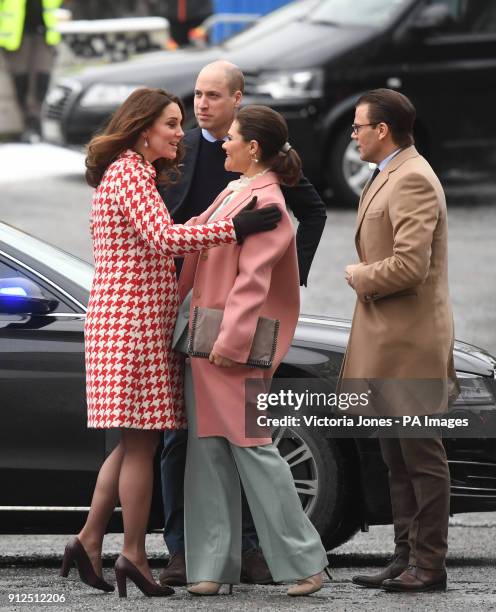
x,y
186,279
239,200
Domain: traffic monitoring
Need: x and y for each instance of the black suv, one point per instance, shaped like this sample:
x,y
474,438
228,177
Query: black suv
x,y
310,61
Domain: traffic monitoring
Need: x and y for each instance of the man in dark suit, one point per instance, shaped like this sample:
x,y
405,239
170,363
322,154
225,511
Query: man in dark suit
x,y
218,93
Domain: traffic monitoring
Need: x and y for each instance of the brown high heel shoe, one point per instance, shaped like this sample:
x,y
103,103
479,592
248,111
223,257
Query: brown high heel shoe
x,y
75,553
125,569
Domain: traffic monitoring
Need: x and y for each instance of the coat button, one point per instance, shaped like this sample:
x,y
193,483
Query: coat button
x,y
197,293
204,256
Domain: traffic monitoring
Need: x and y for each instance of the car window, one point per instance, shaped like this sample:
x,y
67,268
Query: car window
x,y
332,12
270,23
470,16
356,12
78,271
11,272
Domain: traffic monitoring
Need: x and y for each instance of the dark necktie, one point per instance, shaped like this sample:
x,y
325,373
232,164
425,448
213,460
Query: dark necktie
x,y
374,174
369,182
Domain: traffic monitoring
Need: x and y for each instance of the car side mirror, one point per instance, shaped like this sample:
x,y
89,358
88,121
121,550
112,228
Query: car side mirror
x,y
22,296
433,17
430,19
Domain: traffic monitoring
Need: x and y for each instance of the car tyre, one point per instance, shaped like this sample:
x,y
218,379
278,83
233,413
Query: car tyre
x,y
346,173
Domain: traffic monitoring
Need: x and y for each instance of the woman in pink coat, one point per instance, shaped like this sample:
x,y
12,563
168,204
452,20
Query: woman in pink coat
x,y
256,279
134,379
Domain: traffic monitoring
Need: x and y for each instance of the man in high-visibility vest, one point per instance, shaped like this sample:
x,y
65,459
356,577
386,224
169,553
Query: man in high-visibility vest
x,y
183,15
28,36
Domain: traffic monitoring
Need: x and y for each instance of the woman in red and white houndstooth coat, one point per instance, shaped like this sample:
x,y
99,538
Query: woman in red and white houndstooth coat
x,y
134,379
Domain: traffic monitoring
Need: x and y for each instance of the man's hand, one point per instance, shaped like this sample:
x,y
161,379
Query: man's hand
x,y
222,362
348,273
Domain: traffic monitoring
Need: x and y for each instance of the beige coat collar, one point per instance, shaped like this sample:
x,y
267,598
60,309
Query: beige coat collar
x,y
368,194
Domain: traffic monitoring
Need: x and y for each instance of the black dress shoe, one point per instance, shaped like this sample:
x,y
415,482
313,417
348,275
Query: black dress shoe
x,y
392,570
417,580
254,568
174,574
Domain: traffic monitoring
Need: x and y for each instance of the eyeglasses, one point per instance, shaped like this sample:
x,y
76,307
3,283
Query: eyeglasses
x,y
356,126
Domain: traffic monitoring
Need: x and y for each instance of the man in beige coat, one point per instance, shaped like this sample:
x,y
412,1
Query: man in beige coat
x,y
403,327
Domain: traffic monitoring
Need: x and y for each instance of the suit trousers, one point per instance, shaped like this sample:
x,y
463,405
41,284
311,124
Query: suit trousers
x,y
212,509
419,483
172,468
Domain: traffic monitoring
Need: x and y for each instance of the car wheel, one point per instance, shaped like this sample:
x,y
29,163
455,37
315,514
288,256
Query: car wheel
x,y
322,480
347,173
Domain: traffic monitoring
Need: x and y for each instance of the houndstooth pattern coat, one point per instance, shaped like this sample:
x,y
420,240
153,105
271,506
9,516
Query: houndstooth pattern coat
x,y
133,378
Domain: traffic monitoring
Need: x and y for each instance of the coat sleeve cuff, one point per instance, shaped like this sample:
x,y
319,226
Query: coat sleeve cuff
x,y
235,355
364,293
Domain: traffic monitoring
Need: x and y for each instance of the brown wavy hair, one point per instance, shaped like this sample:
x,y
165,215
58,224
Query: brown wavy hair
x,y
269,129
137,113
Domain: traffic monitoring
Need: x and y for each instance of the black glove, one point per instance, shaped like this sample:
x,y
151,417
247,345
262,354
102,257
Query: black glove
x,y
249,221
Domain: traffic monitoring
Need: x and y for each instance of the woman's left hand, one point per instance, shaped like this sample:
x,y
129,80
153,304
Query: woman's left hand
x,y
219,360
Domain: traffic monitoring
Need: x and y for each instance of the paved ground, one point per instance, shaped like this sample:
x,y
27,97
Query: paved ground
x,y
28,564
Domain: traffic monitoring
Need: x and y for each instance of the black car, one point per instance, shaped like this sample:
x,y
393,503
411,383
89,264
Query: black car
x,y
49,459
310,61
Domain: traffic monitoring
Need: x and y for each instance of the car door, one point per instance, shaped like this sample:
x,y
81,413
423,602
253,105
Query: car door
x,y
450,74
47,455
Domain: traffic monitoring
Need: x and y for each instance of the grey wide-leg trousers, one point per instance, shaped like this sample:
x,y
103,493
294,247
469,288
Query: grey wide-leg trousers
x,y
212,509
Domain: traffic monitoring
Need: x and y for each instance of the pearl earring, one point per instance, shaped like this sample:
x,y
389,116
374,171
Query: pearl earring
x,y
146,142
255,159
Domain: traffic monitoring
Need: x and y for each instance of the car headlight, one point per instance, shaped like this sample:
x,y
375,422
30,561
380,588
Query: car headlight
x,y
106,94
291,84
475,390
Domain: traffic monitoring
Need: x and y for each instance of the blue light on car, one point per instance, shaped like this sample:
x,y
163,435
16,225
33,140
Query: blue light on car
x,y
18,291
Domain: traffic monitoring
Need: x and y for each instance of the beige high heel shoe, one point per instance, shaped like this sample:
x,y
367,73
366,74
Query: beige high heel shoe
x,y
309,585
207,588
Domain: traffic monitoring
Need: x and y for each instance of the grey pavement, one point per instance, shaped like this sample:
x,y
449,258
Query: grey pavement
x,y
28,564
